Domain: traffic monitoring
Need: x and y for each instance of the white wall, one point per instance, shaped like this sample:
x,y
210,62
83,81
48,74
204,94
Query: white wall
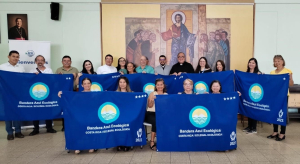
x,y
76,34
277,32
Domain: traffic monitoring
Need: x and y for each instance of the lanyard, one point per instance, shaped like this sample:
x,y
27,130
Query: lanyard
x,y
38,70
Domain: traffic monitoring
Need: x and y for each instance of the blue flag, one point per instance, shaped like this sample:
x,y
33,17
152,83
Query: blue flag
x,y
202,81
205,122
264,97
174,83
96,120
106,82
27,96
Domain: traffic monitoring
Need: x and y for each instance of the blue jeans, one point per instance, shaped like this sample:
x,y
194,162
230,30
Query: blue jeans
x,y
9,125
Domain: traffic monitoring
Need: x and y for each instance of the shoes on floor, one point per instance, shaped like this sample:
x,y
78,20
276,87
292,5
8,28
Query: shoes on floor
x,y
34,132
19,135
10,137
51,131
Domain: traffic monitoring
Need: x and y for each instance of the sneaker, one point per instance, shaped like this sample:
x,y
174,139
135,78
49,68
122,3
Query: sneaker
x,y
246,129
251,131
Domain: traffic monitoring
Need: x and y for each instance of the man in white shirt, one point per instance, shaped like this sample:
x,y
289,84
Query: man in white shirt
x,y
40,62
107,68
12,66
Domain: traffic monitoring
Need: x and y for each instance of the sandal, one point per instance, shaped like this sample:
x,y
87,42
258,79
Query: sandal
x,y
77,151
152,147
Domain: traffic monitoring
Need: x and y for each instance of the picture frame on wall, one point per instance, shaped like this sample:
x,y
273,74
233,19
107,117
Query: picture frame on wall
x,y
17,25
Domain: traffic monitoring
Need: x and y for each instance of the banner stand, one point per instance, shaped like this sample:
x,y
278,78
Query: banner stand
x,y
28,50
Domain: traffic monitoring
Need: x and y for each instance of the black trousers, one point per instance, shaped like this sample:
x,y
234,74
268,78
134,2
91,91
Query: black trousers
x,y
37,127
63,122
151,119
252,123
282,128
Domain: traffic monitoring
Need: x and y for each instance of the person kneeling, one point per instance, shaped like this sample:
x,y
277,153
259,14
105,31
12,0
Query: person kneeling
x,y
123,86
86,84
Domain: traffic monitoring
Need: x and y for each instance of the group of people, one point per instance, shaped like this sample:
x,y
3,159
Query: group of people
x,y
123,84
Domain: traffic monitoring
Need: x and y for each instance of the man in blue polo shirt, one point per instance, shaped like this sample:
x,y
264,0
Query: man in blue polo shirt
x,y
144,68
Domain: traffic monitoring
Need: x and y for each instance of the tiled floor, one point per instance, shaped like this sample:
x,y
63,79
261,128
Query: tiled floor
x,y
252,149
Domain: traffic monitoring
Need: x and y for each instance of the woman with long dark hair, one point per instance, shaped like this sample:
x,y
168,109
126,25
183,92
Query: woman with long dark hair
x,y
203,66
252,68
122,66
220,66
131,68
160,89
123,86
87,68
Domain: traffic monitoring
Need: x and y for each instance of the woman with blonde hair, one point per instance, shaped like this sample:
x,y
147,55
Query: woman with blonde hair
x,y
188,86
279,63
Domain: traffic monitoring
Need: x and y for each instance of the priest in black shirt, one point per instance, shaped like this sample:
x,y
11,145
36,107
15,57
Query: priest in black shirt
x,y
17,32
182,66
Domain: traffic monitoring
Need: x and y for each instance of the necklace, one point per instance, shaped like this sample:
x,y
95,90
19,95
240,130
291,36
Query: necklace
x,y
20,32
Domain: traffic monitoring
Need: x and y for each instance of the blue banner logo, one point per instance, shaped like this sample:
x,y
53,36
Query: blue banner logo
x,y
201,87
96,87
256,92
199,116
30,53
148,88
233,137
39,91
280,114
139,135
108,112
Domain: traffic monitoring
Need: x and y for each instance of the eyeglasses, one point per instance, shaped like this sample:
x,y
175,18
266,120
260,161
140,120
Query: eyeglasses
x,y
122,60
180,57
